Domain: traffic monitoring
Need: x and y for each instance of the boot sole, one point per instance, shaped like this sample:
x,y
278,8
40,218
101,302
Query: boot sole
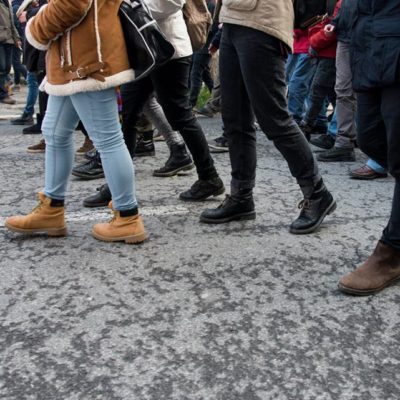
x,y
366,292
54,232
218,193
238,217
341,159
328,211
133,239
176,171
96,205
88,177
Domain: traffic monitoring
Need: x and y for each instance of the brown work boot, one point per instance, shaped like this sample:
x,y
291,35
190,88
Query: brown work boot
x,y
381,269
125,226
47,217
8,100
87,146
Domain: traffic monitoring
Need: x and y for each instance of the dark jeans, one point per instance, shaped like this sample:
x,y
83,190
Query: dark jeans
x,y
252,66
19,68
200,73
378,126
170,82
5,67
322,87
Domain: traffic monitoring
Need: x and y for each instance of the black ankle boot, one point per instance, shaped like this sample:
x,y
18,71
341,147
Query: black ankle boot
x,y
203,189
178,161
231,209
92,169
313,210
36,128
100,199
145,145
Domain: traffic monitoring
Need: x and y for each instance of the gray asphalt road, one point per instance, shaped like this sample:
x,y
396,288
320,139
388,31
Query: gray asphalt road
x,y
241,311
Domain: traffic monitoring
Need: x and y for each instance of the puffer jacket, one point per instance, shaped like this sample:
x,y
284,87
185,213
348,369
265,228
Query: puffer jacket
x,y
274,17
8,31
169,16
85,45
375,45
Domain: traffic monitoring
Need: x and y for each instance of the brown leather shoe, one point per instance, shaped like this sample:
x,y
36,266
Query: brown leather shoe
x,y
366,173
121,228
381,269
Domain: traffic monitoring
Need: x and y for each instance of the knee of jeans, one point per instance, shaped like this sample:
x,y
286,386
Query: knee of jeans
x,y
108,142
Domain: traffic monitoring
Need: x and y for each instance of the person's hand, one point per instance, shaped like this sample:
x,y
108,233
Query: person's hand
x,y
18,44
212,49
329,30
22,17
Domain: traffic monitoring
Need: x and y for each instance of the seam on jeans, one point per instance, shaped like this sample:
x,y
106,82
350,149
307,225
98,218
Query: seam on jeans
x,y
53,135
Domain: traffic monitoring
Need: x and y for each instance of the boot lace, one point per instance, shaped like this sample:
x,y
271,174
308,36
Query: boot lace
x,y
37,208
305,204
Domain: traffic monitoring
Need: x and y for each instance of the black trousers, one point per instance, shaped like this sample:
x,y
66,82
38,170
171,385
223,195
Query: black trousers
x,y
378,127
171,84
252,66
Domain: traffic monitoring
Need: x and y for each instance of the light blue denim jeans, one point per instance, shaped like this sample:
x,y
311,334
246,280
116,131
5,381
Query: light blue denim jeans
x,y
376,167
98,112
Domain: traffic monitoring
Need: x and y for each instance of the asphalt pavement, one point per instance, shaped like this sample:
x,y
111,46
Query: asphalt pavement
x,y
241,311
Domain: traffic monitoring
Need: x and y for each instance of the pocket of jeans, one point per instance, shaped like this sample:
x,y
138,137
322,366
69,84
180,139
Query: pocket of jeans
x,y
241,5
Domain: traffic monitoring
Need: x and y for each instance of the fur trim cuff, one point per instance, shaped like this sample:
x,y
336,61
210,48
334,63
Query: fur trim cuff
x,y
88,85
32,40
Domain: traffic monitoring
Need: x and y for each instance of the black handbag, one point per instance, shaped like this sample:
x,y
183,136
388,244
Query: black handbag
x,y
147,46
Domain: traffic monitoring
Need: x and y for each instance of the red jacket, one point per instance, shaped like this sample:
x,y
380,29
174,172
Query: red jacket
x,y
301,43
323,45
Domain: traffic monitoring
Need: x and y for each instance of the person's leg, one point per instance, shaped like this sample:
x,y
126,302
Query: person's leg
x,y
322,86
345,99
171,84
58,126
383,267
18,67
299,85
266,88
134,96
196,76
207,78
376,167
5,67
155,114
371,129
33,92
98,112
391,116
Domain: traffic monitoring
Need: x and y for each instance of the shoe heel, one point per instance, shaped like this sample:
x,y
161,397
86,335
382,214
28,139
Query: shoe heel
x,y
136,239
220,191
57,232
332,208
247,217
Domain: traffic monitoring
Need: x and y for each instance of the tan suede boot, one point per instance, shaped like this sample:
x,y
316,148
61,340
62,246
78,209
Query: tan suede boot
x,y
121,228
381,269
47,217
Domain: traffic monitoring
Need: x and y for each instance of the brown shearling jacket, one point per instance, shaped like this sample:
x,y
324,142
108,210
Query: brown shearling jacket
x,y
85,45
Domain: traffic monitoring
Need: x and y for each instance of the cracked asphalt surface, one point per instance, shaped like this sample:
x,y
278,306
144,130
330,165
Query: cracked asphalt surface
x,y
242,311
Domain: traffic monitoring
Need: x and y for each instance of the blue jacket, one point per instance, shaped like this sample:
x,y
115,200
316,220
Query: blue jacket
x,y
345,19
375,44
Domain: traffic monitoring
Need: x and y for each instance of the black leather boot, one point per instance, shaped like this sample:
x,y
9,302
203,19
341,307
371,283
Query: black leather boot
x,y
313,210
178,161
101,199
36,128
203,189
92,169
231,209
145,145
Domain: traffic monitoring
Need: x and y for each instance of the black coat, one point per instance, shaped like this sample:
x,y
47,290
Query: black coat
x,y
34,60
375,44
345,20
